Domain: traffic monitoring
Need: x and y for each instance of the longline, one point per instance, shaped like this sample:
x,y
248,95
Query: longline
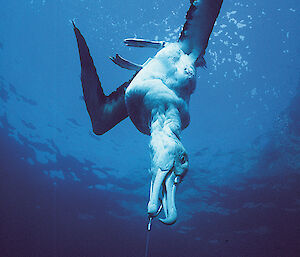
x,y
147,243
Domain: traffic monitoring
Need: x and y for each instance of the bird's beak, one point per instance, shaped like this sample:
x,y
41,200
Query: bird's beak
x,y
163,183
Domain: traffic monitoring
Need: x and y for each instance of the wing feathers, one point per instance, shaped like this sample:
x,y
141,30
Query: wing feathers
x,y
200,20
105,111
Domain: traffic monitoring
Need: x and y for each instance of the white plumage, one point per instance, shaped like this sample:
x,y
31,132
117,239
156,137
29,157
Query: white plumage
x,y
166,82
156,99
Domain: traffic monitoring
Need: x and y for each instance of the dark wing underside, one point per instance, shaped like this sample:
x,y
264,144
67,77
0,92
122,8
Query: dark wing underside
x,y
200,20
105,111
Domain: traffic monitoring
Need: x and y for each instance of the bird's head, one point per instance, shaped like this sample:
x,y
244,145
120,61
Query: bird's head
x,y
169,166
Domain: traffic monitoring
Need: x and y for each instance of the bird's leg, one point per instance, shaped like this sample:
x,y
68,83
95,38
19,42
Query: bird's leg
x,y
126,64
123,63
144,43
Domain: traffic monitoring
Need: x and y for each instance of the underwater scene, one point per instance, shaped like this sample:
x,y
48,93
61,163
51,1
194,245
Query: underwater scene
x,y
203,159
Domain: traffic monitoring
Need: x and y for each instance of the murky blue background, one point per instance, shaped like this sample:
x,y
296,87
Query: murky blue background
x,y
66,192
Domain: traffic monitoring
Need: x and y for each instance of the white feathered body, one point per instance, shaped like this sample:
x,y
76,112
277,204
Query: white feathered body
x,y
165,83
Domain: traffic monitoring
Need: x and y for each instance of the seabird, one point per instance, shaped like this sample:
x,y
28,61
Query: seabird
x,y
156,99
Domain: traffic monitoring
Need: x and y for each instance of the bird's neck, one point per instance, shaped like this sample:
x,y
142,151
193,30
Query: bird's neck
x,y
166,123
165,132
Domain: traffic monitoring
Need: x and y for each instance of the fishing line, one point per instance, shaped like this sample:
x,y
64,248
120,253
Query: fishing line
x,y
148,237
55,220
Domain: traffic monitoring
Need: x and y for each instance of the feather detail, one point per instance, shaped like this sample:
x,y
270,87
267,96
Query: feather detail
x,y
200,20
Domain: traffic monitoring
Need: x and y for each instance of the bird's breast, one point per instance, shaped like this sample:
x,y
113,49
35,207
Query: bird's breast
x,y
167,80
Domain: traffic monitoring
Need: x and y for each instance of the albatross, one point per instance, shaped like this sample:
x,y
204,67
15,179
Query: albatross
x,y
156,99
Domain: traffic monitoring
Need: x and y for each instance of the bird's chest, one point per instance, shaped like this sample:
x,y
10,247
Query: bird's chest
x,y
142,97
167,80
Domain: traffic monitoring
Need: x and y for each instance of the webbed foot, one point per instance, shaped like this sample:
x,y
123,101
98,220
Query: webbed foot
x,y
123,63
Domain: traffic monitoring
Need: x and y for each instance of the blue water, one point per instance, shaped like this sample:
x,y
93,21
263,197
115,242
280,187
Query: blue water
x,y
66,192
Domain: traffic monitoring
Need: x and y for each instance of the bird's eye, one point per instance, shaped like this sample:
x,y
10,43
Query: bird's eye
x,y
183,159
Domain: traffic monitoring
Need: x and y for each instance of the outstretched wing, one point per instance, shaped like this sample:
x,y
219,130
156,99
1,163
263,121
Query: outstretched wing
x,y
200,20
105,111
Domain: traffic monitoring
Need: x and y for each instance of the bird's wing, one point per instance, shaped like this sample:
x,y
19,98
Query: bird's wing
x,y
105,111
200,20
